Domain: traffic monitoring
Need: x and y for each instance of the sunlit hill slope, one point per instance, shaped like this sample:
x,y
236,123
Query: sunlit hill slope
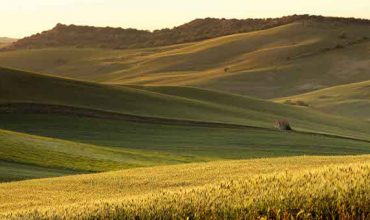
x,y
348,100
286,60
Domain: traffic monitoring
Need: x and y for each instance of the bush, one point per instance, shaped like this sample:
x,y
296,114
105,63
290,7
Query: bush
x,y
298,102
301,103
282,125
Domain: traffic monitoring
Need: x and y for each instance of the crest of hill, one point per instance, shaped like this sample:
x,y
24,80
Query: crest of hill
x,y
196,30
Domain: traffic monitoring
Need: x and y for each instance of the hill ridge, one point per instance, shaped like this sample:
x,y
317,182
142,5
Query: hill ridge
x,y
196,30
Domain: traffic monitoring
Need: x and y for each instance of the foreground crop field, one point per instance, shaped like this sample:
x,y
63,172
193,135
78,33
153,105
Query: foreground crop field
x,y
310,187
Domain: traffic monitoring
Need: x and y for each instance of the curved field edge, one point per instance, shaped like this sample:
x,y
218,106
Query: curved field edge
x,y
47,109
104,142
31,152
14,171
305,187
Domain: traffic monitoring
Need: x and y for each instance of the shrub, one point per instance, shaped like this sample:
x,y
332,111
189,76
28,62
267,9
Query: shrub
x,y
298,102
301,103
282,125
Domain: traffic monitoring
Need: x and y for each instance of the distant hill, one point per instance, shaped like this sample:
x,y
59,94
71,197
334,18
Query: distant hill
x,y
4,41
117,38
277,62
7,39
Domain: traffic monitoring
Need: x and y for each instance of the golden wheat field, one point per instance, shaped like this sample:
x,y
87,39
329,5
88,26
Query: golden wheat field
x,y
281,188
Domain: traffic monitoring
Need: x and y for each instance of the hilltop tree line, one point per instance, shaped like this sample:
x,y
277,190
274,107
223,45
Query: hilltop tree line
x,y
196,30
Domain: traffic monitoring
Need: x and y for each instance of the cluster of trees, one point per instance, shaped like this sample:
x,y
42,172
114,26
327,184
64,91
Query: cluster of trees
x,y
199,29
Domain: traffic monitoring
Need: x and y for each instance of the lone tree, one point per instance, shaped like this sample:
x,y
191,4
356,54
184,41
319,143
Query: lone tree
x,y
282,125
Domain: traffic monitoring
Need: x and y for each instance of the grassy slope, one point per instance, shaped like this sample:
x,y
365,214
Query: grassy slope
x,y
179,143
51,152
348,100
85,64
322,186
96,144
62,145
276,62
41,156
187,103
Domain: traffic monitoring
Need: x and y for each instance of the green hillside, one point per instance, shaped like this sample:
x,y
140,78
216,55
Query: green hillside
x,y
24,156
167,143
188,103
282,61
244,189
53,145
63,126
347,100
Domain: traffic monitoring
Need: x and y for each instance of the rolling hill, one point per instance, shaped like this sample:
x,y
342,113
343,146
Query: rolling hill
x,y
248,189
348,100
115,123
183,123
176,103
90,127
100,109
286,60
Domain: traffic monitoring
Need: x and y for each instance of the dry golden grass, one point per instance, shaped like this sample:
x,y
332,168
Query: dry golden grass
x,y
348,100
271,63
300,187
